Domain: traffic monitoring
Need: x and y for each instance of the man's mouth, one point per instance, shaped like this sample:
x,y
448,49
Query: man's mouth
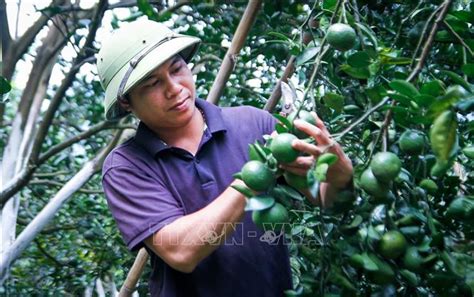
x,y
179,105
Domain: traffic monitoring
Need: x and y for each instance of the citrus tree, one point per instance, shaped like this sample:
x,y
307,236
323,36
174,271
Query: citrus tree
x,y
392,80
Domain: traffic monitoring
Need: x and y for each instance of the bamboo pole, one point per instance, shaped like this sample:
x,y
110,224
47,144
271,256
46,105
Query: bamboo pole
x,y
231,56
133,276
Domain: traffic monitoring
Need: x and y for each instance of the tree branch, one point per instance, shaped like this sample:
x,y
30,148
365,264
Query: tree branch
x,y
459,38
290,68
47,213
32,164
19,47
443,8
423,34
5,29
362,118
429,41
59,184
230,57
86,134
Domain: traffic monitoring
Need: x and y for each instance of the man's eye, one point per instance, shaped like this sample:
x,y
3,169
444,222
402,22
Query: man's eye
x,y
177,69
153,83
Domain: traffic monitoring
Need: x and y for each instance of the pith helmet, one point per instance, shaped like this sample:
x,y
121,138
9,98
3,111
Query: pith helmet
x,y
131,53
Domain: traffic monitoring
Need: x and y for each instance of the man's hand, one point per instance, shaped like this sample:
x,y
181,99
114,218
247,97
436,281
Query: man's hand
x,y
339,174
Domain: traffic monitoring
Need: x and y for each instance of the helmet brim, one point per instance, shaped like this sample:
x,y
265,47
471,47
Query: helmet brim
x,y
184,45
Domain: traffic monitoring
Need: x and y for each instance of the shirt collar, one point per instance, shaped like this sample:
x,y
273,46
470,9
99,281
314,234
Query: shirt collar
x,y
146,138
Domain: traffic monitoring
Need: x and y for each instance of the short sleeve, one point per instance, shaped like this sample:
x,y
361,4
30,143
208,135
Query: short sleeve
x,y
140,204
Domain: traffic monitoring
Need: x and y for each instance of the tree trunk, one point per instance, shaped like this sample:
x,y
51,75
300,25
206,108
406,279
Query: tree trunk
x,y
24,128
53,206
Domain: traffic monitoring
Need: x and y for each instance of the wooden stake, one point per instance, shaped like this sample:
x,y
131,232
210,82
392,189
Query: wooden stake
x,y
134,274
230,58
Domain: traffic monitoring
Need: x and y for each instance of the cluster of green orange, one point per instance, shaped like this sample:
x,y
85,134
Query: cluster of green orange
x,y
269,199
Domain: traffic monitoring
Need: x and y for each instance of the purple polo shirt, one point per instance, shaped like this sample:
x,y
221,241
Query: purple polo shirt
x,y
149,185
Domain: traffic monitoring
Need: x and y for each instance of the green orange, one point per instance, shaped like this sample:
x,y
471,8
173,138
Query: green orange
x,y
271,218
392,244
372,185
304,116
341,36
298,182
282,149
257,176
412,142
385,166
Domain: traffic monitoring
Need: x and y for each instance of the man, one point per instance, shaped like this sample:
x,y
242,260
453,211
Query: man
x,y
169,187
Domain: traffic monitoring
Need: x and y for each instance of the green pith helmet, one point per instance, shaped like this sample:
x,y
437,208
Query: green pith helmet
x,y
131,53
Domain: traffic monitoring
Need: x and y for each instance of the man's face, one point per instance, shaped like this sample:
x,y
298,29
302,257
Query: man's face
x,y
165,99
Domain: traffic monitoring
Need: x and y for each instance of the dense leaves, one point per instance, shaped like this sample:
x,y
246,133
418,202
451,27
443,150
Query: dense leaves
x,y
334,251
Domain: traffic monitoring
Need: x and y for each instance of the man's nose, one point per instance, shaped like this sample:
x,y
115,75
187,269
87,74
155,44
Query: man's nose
x,y
173,87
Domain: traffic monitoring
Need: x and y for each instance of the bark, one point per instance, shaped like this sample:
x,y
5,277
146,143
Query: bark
x,y
276,94
17,48
23,128
99,287
27,171
49,211
230,58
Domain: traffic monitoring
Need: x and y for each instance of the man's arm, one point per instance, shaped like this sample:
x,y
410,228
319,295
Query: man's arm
x,y
188,240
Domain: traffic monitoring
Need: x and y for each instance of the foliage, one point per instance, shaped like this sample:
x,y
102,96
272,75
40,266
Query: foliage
x,y
365,99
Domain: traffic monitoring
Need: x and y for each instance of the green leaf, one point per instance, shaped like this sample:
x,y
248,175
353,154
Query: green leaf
x,y
465,16
334,101
433,88
369,33
256,152
359,73
283,120
405,100
457,79
468,69
145,7
443,135
404,88
449,262
410,277
327,158
452,96
314,189
385,59
339,279
5,86
259,203
329,4
244,190
238,175
359,59
306,55
290,192
376,93
424,100
465,106
321,171
363,261
280,128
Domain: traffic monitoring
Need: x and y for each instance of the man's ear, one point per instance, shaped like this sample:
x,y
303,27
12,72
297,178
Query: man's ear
x,y
125,103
